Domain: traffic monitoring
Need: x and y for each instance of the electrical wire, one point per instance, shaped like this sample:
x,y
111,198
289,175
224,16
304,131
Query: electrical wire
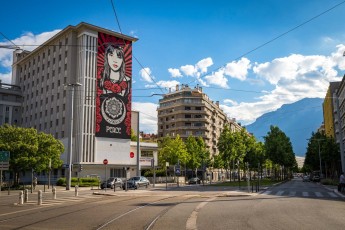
x,y
142,67
272,40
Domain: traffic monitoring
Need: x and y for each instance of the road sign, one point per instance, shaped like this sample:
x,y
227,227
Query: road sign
x,y
4,156
177,171
4,166
105,161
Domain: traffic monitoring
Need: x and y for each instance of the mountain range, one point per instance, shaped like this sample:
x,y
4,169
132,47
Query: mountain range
x,y
297,120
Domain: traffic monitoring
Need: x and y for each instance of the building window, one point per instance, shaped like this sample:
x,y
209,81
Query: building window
x,y
187,108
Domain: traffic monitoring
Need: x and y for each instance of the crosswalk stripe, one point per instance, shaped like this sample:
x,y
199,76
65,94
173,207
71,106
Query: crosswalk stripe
x,y
292,193
266,192
305,194
318,194
332,194
280,193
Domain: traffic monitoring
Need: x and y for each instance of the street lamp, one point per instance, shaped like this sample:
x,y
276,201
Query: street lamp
x,y
69,158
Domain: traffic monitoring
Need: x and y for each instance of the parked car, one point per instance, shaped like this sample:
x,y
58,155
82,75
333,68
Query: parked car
x,y
306,178
111,182
194,180
136,182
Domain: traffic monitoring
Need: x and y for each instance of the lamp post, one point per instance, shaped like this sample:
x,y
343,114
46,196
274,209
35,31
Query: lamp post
x,y
69,158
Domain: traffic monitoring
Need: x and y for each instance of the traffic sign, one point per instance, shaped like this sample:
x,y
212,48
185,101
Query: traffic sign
x,y
105,161
177,171
4,156
131,154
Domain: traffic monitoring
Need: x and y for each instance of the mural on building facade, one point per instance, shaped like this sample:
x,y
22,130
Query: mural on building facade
x,y
114,93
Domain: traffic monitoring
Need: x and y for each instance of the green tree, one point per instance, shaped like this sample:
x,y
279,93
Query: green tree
x,y
29,149
133,136
198,153
172,150
279,149
329,153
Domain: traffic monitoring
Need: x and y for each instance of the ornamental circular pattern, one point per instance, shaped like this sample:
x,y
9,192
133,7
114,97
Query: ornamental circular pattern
x,y
113,110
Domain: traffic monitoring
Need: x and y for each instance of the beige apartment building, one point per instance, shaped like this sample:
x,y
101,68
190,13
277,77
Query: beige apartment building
x,y
188,111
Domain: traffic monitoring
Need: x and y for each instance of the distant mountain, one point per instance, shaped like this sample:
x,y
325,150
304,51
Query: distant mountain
x,y
297,120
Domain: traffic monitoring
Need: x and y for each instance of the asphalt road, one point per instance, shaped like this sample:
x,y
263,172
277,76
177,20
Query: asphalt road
x,y
292,205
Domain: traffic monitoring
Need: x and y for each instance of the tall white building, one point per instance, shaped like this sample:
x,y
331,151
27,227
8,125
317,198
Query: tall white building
x,y
49,77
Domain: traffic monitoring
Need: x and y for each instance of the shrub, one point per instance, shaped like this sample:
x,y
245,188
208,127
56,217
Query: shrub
x,y
81,182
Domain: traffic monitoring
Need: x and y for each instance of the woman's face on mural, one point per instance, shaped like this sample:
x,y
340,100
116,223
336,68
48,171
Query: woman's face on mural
x,y
115,60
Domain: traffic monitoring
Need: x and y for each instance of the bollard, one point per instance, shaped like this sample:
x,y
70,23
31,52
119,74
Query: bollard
x,y
39,200
26,195
54,193
21,197
76,190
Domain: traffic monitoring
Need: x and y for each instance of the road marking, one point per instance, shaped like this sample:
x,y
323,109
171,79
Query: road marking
x,y
305,194
292,193
332,194
267,193
318,194
280,193
191,222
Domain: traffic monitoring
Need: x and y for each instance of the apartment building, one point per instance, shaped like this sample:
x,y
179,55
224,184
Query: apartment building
x,y
188,111
71,89
10,104
329,106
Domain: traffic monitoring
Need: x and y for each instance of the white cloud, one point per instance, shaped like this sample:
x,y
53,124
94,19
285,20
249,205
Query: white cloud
x,y
239,69
175,72
198,69
293,78
296,67
148,116
203,64
164,85
27,41
231,102
6,78
146,75
217,78
188,70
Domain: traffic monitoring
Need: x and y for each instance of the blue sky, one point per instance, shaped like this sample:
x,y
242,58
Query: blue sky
x,y
210,43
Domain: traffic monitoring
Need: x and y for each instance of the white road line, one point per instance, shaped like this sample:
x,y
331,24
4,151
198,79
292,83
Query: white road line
x,y
332,194
305,194
292,193
318,194
280,193
191,222
267,193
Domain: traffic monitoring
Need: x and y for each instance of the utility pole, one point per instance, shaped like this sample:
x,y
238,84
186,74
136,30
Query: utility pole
x,y
70,141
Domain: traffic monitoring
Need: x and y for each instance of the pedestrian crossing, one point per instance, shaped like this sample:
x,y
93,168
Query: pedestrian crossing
x,y
47,201
311,194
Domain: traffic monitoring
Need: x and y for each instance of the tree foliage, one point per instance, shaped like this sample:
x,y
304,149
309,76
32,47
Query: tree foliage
x,y
278,148
29,149
172,150
198,153
329,153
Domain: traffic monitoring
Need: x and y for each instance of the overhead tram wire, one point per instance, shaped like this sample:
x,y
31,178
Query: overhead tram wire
x,y
142,67
273,39
9,47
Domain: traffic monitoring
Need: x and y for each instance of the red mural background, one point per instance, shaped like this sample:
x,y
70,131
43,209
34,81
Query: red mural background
x,y
114,87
